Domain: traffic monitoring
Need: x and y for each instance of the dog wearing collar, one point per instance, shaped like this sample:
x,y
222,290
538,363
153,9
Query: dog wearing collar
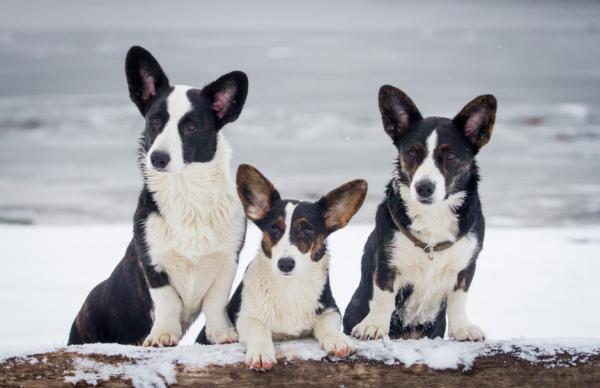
x,y
285,291
419,262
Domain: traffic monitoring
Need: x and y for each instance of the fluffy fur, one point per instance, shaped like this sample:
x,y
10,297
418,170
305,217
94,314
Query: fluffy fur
x,y
189,226
285,292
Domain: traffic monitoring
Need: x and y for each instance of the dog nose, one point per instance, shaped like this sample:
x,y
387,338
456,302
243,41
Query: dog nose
x,y
286,264
425,188
160,159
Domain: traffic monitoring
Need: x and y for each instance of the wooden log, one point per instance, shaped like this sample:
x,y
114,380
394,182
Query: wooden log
x,y
497,370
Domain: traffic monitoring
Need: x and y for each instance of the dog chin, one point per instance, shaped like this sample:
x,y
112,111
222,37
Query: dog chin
x,y
425,201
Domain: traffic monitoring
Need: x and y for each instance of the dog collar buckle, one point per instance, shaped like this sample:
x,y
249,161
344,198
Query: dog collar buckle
x,y
430,249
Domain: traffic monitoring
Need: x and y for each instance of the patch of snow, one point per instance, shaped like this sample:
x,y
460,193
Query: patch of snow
x,y
12,351
155,367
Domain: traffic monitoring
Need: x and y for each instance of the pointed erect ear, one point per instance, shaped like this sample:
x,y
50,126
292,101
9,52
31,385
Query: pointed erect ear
x,y
255,191
398,112
227,96
342,203
477,119
145,77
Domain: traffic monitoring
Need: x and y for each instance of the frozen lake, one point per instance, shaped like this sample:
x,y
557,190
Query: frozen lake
x,y
68,131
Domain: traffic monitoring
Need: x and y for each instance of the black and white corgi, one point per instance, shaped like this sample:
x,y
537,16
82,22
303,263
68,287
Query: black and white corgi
x,y
189,226
285,291
419,261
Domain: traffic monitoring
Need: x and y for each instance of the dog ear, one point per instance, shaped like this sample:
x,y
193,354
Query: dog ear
x,y
342,203
227,96
477,119
255,191
145,77
398,112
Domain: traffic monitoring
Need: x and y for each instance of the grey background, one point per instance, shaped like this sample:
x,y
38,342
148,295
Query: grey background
x,y
68,131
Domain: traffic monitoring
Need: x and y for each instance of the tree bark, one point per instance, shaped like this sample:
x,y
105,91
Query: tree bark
x,y
498,370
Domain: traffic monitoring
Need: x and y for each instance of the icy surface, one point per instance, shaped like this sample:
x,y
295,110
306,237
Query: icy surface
x,y
68,130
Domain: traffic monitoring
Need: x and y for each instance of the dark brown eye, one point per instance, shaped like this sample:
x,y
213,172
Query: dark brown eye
x,y
155,122
274,230
412,153
308,232
450,155
190,127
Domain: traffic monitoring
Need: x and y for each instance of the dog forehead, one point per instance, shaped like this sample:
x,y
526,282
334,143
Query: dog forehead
x,y
445,133
178,102
277,213
449,134
308,211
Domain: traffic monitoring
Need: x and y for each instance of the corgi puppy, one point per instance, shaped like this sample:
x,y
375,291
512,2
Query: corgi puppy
x,y
285,292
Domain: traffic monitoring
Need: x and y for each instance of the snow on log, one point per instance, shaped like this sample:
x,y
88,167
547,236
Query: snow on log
x,y
302,363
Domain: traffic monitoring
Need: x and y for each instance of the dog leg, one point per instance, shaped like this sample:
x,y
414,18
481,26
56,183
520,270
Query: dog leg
x,y
219,328
459,326
332,340
166,329
377,323
260,352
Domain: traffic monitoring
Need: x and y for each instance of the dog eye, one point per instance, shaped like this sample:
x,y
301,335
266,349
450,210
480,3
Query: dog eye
x,y
450,155
308,232
274,230
190,127
412,153
155,122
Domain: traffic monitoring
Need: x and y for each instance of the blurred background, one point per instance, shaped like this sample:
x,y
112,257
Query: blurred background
x,y
68,130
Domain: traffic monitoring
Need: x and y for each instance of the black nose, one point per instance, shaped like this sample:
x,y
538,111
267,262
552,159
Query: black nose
x,y
286,264
425,188
160,159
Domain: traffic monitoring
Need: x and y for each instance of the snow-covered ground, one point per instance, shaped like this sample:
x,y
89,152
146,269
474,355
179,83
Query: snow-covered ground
x,y
530,282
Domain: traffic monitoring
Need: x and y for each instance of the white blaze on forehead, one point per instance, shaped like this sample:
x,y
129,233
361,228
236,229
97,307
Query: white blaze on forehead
x,y
169,140
285,248
429,171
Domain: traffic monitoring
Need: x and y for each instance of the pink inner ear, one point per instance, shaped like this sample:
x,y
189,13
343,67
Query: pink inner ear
x,y
222,102
149,89
473,124
258,207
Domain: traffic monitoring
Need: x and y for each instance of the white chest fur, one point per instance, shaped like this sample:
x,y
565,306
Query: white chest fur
x,y
199,228
432,280
287,305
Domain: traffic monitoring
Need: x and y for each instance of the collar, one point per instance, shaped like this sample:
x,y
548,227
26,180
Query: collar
x,y
427,248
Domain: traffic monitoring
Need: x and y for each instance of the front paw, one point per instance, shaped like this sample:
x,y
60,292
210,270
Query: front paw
x,y
467,332
261,357
160,338
371,329
224,335
338,345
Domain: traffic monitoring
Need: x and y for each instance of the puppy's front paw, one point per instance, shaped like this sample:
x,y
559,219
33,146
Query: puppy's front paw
x,y
338,345
466,333
370,329
224,335
261,357
160,338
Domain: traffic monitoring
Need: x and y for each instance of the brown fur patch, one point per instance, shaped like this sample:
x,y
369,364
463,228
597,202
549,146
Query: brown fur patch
x,y
342,203
255,191
269,239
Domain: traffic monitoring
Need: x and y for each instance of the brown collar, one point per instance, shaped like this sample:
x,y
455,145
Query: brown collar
x,y
429,249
